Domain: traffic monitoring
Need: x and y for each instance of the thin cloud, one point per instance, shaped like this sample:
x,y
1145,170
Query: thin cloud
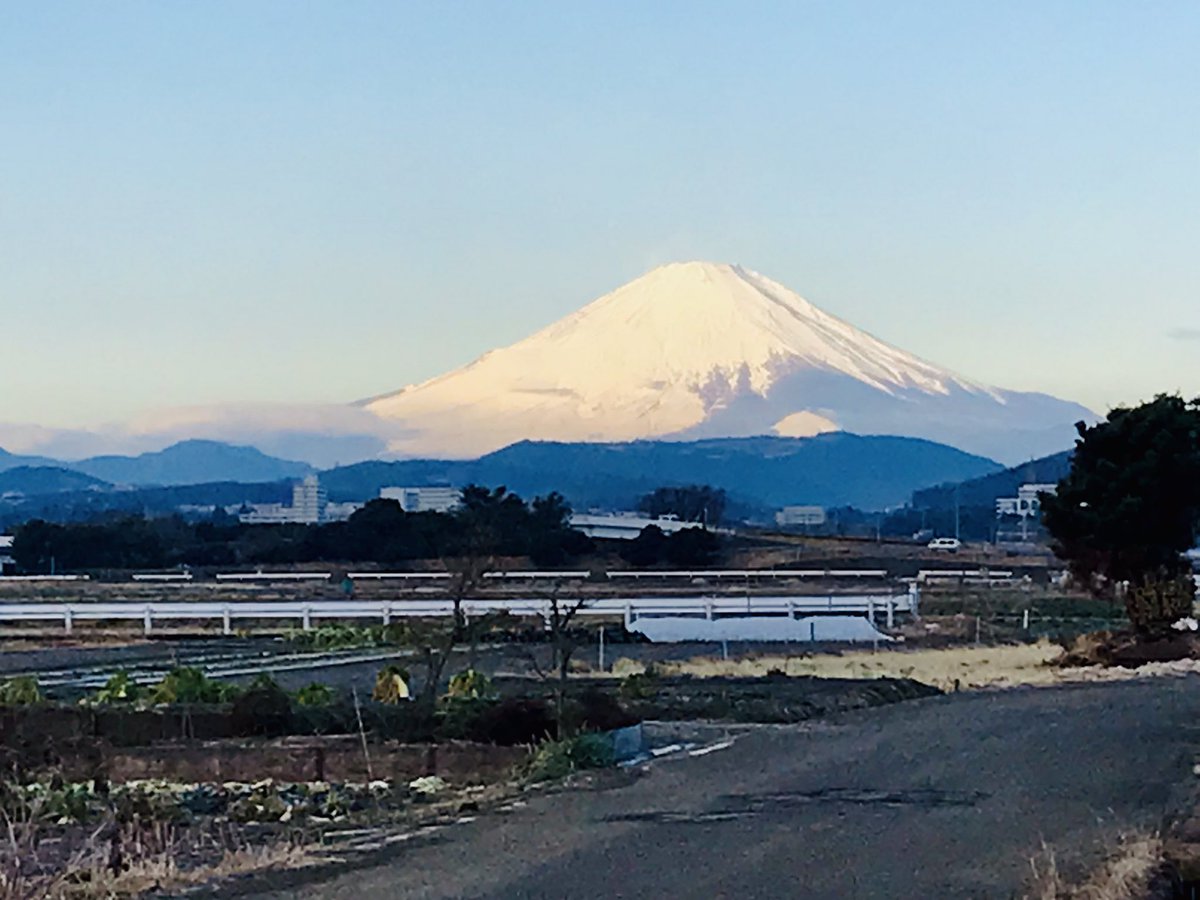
x,y
1184,334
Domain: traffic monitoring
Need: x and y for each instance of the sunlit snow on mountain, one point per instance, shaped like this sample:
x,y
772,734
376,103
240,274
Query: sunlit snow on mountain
x,y
703,350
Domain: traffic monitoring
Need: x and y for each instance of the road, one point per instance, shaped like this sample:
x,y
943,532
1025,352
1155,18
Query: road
x,y
948,797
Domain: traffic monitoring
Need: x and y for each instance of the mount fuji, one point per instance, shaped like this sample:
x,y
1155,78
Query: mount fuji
x,y
698,350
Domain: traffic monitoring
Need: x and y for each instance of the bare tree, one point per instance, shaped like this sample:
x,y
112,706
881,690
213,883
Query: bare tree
x,y
560,615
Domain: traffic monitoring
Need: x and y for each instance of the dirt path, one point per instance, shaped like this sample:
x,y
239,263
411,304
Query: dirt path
x,y
947,797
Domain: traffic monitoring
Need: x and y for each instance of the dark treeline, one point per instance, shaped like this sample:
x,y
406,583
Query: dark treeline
x,y
691,503
489,522
112,505
690,548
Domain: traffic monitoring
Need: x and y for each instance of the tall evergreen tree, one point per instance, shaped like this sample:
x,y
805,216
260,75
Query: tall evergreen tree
x,y
1130,506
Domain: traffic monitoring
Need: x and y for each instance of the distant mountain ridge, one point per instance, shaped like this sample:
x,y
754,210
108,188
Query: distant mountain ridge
x,y
13,460
186,462
760,474
45,480
838,469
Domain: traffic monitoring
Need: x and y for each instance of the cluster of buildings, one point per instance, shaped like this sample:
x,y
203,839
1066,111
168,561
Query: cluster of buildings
x,y
423,499
310,504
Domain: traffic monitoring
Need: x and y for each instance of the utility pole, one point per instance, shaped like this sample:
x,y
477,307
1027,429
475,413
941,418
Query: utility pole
x,y
956,516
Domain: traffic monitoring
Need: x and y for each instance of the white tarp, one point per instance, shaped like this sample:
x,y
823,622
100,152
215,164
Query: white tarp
x,y
667,629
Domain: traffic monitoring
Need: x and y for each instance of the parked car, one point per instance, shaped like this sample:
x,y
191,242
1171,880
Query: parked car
x,y
950,544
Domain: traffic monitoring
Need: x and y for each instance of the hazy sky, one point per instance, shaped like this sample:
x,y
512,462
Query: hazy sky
x,y
205,202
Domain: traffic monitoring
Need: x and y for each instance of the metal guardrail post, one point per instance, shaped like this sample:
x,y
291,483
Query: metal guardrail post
x,y
226,624
306,620
871,610
68,618
387,614
891,612
147,619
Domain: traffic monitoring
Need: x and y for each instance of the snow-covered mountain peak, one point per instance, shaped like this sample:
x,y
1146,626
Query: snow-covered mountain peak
x,y
687,348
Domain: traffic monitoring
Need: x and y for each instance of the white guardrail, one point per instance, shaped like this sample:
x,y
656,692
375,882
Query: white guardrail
x,y
307,612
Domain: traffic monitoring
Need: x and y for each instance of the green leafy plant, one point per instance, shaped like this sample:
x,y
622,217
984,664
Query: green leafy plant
x,y
186,684
120,688
639,686
470,684
558,759
23,690
315,694
336,636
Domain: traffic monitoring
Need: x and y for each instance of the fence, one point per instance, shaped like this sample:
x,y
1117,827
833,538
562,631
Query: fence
x,y
307,612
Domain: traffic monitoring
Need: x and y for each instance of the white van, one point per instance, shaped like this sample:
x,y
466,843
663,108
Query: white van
x,y
950,544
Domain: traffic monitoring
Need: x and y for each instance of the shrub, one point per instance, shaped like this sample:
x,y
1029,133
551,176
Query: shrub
x,y
597,710
187,684
23,690
639,686
471,684
1160,601
264,708
315,694
120,688
515,721
460,717
558,759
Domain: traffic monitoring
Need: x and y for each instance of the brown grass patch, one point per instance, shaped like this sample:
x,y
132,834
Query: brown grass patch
x,y
950,668
1136,870
133,861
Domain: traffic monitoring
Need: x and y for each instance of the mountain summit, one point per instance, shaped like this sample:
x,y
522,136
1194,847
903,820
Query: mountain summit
x,y
700,349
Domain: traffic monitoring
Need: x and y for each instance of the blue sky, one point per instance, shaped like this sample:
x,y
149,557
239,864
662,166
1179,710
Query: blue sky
x,y
310,202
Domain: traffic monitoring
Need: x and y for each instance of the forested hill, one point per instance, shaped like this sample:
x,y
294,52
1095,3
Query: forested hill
x,y
983,491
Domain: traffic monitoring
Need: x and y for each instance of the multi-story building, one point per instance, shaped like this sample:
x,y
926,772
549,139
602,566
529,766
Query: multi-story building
x,y
309,500
1026,507
1026,503
310,506
423,499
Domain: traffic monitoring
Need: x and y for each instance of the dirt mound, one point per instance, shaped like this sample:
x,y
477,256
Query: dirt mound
x,y
1129,649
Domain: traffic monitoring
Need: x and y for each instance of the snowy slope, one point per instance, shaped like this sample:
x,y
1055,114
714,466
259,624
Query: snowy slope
x,y
702,350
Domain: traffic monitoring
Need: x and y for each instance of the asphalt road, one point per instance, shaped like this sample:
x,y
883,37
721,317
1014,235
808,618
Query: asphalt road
x,y
948,797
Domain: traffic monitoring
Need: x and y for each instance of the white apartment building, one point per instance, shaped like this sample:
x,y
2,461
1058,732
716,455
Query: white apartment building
x,y
309,500
423,499
310,506
1026,504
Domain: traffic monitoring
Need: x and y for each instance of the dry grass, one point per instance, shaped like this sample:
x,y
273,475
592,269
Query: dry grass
x,y
964,667
147,860
160,872
1128,874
